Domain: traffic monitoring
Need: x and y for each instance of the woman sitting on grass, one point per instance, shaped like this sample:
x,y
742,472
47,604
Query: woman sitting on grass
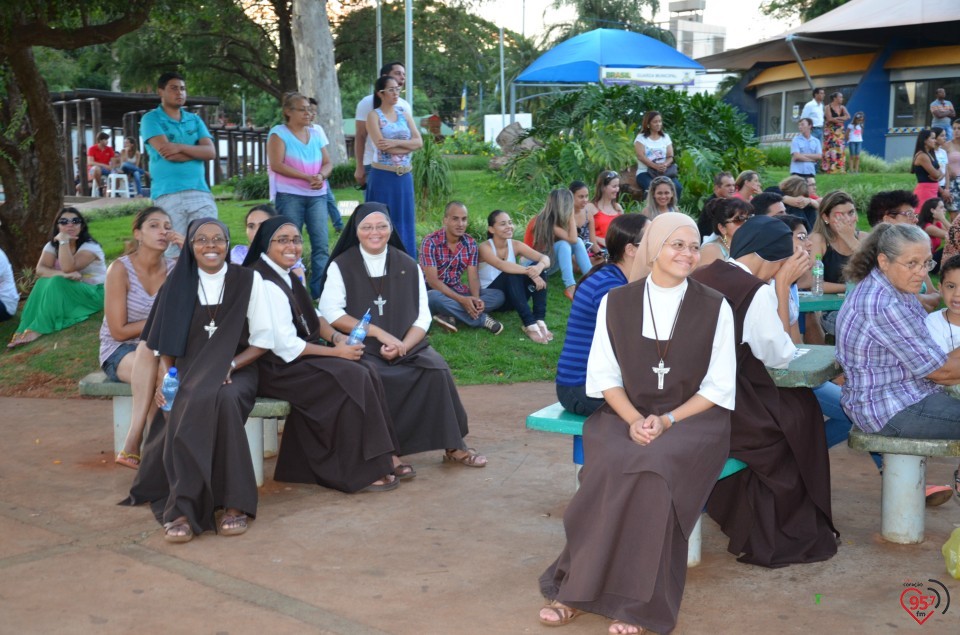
x,y
499,270
555,232
133,281
71,273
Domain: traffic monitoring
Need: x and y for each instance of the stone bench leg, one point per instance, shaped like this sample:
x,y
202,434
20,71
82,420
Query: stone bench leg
x,y
270,443
122,411
693,548
903,501
254,430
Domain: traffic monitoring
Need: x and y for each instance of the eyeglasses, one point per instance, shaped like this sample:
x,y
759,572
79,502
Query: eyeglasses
x,y
382,227
907,215
740,219
392,91
927,265
801,237
679,245
70,221
300,109
203,241
286,240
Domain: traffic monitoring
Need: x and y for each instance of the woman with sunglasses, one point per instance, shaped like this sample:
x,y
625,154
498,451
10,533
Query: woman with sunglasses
x,y
726,216
604,207
395,136
661,198
71,272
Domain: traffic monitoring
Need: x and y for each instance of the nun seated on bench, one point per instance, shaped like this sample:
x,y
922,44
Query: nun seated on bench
x,y
211,321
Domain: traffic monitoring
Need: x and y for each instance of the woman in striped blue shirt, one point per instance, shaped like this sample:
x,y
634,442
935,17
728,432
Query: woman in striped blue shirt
x,y
623,236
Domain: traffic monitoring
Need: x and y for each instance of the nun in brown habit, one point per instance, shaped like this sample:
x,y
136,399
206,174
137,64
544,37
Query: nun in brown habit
x,y
655,449
778,511
339,433
370,271
211,322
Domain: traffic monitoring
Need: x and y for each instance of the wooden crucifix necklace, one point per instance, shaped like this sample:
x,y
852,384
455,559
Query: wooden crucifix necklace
x,y
212,327
659,369
378,288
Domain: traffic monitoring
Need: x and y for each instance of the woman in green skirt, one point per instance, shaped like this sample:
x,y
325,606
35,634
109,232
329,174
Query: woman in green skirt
x,y
71,274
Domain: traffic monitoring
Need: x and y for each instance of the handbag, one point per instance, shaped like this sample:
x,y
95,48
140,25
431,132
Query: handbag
x,y
671,171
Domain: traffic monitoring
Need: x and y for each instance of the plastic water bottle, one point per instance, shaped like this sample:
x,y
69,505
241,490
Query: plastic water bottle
x,y
169,388
817,288
359,332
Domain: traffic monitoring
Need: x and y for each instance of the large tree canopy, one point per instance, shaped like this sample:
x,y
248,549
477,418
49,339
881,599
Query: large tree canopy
x,y
806,10
30,144
626,15
452,48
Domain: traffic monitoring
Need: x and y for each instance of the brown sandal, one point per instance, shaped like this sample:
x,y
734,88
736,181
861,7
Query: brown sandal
x,y
128,459
470,458
564,613
240,520
171,531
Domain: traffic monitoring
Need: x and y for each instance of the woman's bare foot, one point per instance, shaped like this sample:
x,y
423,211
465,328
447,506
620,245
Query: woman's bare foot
x,y
623,627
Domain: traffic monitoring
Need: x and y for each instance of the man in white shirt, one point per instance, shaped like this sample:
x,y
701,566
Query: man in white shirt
x,y
813,110
363,146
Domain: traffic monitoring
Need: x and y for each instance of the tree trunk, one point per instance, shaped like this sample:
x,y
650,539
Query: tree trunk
x,y
317,71
31,148
286,56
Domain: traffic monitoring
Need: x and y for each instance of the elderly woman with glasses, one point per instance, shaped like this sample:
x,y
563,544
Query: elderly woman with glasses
x,y
71,272
726,216
895,371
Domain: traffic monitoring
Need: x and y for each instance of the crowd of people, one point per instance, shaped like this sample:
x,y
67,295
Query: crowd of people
x,y
242,321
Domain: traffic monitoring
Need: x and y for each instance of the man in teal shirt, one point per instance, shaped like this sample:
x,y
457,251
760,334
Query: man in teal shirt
x,y
179,145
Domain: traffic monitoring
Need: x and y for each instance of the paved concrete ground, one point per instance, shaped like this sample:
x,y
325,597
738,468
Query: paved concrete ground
x,y
456,550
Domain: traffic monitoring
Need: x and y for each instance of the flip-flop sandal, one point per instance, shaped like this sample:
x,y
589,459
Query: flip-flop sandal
x,y
565,614
128,459
938,495
470,459
381,487
168,528
404,472
240,520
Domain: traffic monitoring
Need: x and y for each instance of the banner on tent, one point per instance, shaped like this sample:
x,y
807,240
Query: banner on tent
x,y
647,76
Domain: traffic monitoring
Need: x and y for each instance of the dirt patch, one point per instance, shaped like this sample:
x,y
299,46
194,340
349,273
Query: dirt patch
x,y
41,385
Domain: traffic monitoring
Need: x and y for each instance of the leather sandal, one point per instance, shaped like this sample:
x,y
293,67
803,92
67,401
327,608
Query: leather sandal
x,y
470,458
172,531
128,459
564,613
238,520
404,471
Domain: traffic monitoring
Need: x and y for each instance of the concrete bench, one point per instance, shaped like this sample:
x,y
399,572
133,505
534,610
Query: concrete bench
x,y
904,480
554,418
262,424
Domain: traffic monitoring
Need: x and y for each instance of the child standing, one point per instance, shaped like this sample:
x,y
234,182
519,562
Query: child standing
x,y
944,325
854,140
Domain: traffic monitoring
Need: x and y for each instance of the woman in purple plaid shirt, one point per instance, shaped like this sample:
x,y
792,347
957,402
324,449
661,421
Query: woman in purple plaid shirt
x,y
895,371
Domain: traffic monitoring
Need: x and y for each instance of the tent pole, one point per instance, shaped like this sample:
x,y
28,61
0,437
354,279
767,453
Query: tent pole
x,y
793,49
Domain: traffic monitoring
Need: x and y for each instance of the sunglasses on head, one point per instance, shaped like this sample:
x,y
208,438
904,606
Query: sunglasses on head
x,y
70,221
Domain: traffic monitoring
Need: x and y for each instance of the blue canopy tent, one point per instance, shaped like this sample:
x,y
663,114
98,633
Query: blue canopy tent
x,y
580,59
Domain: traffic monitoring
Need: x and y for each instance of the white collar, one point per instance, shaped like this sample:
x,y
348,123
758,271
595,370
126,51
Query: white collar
x,y
220,275
657,289
373,257
284,273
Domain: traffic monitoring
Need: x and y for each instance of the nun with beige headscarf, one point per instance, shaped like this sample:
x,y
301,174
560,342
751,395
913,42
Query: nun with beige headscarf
x,y
663,359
